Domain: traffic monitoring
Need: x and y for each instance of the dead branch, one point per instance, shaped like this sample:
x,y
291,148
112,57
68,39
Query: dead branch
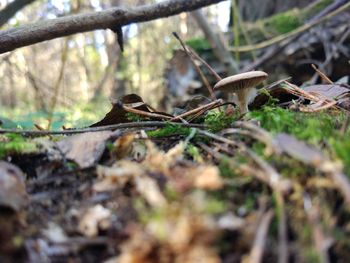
x,y
64,26
11,9
144,124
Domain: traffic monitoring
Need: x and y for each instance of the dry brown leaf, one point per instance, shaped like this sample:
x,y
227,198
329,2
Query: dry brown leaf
x,y
85,149
123,145
117,176
13,193
117,114
159,161
149,189
331,91
181,235
125,171
92,219
207,177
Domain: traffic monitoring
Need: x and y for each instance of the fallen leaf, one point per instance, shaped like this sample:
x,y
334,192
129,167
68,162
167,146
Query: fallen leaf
x,y
331,91
123,145
55,233
149,189
207,177
91,220
13,193
117,114
117,176
85,149
299,149
126,171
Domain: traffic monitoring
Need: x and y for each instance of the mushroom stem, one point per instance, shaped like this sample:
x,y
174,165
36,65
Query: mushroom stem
x,y
242,96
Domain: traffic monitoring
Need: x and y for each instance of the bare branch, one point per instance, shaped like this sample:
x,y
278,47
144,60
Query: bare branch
x,y
46,30
11,9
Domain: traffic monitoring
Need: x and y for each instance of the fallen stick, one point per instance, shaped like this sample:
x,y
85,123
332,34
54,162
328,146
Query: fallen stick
x,y
128,125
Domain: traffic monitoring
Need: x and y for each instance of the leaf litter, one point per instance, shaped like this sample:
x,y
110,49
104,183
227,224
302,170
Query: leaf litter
x,y
219,188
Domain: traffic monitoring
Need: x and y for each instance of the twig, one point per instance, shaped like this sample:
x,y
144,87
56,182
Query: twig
x,y
146,113
199,109
196,56
271,176
257,251
322,75
102,128
189,52
259,134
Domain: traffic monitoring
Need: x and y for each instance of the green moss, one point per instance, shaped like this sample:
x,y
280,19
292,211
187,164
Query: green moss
x,y
215,206
198,44
284,22
312,127
194,152
169,130
15,143
225,168
132,117
217,120
341,148
313,10
319,129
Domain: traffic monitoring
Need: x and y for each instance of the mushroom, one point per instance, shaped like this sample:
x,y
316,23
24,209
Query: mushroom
x,y
243,85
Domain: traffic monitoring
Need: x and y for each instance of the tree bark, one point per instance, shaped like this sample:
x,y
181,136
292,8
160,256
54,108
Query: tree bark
x,y
46,30
11,9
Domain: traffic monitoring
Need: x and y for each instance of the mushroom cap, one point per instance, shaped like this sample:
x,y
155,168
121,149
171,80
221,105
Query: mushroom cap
x,y
241,81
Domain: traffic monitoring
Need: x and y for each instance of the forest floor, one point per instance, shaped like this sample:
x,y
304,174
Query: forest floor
x,y
270,186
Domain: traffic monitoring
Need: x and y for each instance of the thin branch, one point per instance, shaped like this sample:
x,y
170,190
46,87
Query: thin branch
x,y
189,52
257,251
64,26
101,128
199,109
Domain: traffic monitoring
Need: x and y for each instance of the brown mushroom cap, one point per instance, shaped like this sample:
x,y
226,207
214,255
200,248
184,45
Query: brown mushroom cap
x,y
241,81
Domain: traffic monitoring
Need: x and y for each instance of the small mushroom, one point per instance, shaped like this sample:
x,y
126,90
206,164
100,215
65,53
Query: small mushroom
x,y
242,85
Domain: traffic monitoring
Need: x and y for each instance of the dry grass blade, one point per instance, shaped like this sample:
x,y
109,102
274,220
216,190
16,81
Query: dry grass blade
x,y
257,251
